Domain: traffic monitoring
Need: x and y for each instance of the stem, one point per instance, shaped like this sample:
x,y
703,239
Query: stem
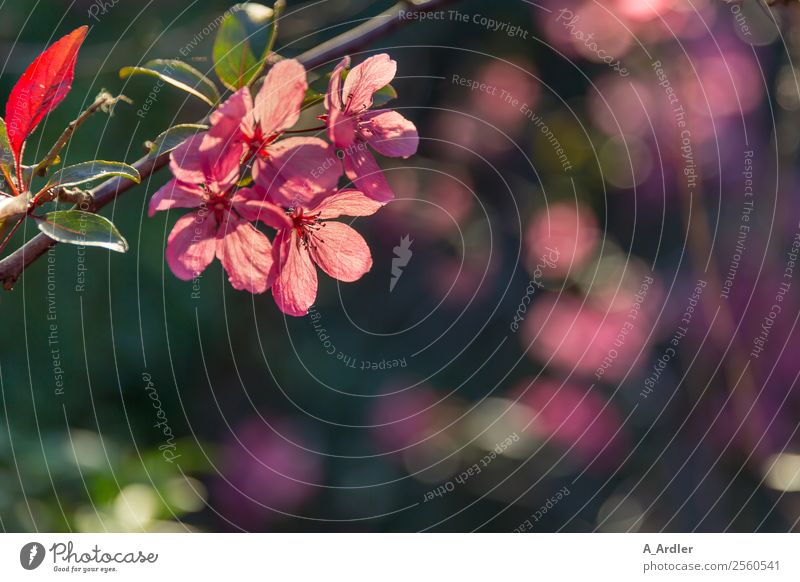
x,y
103,101
11,233
319,128
12,266
10,182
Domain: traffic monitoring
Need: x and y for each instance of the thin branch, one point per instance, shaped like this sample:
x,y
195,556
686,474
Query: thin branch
x,y
103,101
363,34
12,266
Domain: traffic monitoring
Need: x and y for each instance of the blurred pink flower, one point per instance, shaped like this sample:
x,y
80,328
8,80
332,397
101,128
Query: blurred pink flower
x,y
622,105
508,81
403,418
206,172
576,418
578,338
569,229
265,470
351,126
642,10
308,239
723,84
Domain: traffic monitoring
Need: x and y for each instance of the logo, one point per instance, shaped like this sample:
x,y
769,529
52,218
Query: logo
x,y
402,255
31,555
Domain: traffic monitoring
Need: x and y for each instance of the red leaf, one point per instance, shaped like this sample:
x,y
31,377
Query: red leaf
x,y
41,88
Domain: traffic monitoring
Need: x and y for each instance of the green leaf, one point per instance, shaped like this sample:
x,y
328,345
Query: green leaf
x,y
321,83
82,228
312,98
91,171
244,41
173,137
383,96
180,75
6,153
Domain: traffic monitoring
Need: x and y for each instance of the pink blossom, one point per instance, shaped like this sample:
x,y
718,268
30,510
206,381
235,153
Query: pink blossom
x,y
579,419
566,228
292,169
268,469
206,172
351,126
335,247
571,336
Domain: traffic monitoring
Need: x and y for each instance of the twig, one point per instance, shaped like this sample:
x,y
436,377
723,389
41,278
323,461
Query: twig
x,y
12,266
365,33
103,101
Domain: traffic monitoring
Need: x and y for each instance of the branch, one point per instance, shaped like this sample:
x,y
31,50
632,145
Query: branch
x,y
104,101
365,33
12,266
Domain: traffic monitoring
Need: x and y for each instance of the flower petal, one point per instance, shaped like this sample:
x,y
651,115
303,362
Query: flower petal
x,y
224,159
364,79
204,159
346,202
363,170
251,204
298,168
341,128
191,244
278,102
295,286
333,98
187,162
175,194
234,116
246,254
390,134
343,253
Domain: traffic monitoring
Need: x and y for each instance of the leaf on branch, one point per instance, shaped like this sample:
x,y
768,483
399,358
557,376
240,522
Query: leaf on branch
x,y
244,41
82,228
180,75
173,137
382,96
41,88
312,98
91,171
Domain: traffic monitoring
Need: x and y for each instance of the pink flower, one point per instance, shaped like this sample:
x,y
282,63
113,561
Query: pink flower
x,y
572,336
335,247
293,169
268,469
206,172
570,230
351,126
579,419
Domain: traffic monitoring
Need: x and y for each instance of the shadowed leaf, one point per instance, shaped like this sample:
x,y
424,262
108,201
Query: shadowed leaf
x,y
82,228
180,75
244,41
91,171
173,137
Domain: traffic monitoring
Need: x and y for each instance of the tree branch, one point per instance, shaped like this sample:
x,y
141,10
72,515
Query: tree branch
x,y
12,266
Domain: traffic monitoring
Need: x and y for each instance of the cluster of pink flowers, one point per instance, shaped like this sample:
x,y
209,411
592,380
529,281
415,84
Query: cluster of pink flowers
x,y
294,186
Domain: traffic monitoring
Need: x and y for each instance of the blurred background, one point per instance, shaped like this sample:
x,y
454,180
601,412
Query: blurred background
x,y
593,240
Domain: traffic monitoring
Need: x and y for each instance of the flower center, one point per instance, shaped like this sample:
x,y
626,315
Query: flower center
x,y
259,142
217,202
307,227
